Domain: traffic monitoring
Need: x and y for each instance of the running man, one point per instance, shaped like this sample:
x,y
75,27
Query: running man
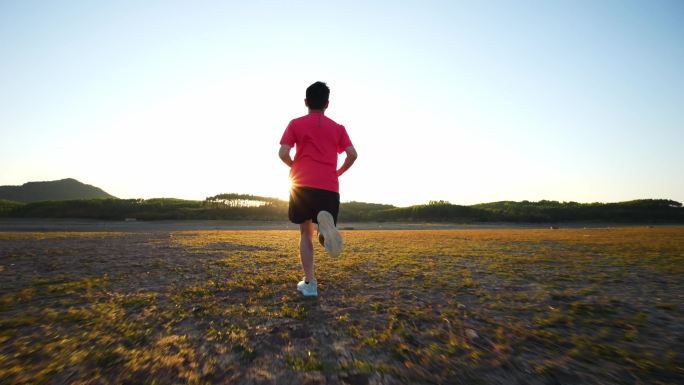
x,y
314,195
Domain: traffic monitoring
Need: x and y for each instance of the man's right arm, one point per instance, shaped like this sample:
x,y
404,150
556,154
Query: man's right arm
x,y
284,154
351,158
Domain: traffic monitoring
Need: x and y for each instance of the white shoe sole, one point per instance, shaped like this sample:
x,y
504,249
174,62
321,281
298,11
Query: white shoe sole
x,y
331,237
307,293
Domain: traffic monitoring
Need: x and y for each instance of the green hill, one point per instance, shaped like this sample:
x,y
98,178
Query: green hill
x,y
252,207
7,206
554,211
57,190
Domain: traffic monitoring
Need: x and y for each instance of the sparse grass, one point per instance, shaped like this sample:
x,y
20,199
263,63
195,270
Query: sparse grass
x,y
307,363
576,306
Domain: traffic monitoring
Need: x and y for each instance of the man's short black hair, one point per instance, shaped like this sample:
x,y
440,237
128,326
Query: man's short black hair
x,y
317,95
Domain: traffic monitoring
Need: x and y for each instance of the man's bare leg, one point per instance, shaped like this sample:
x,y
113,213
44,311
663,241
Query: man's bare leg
x,y
306,251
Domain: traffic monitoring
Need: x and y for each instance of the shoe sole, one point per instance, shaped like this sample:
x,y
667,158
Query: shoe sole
x,y
331,237
307,295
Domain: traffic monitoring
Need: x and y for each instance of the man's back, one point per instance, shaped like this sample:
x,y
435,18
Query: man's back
x,y
318,140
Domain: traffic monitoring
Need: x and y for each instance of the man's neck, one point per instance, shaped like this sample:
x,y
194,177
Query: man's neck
x,y
312,111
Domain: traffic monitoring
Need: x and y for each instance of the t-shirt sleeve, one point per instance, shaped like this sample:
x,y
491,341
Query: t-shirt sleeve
x,y
289,136
344,140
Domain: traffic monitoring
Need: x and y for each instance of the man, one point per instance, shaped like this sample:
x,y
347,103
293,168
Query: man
x,y
314,195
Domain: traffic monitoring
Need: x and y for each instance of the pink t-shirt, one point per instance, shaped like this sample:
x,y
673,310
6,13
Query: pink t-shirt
x,y
318,140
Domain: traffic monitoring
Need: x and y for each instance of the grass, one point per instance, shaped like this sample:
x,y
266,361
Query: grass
x,y
405,306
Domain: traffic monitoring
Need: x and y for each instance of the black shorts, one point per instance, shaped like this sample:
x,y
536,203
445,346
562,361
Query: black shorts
x,y
307,202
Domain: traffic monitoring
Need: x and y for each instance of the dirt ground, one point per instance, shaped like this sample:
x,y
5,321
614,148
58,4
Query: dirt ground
x,y
458,306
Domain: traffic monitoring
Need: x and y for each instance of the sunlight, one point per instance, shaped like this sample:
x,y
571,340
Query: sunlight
x,y
290,183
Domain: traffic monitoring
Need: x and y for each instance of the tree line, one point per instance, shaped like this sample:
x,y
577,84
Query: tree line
x,y
251,207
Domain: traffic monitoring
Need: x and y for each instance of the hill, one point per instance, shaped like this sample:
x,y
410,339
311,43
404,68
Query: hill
x,y
57,190
252,207
636,211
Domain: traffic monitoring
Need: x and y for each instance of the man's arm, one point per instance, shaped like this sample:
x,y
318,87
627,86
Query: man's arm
x,y
284,154
351,158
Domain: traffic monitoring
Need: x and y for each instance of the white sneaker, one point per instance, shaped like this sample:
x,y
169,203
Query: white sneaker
x,y
308,289
331,237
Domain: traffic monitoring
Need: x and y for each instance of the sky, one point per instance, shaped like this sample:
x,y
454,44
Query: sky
x,y
464,101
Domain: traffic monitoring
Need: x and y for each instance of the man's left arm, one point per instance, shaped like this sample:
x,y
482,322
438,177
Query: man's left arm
x,y
349,160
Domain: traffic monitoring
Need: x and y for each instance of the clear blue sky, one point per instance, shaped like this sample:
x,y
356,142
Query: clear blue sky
x,y
462,101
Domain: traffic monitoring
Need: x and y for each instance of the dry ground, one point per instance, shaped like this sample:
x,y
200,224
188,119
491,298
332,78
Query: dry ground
x,y
485,306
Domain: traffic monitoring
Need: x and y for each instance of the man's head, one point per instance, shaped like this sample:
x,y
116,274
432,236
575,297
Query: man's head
x,y
317,96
